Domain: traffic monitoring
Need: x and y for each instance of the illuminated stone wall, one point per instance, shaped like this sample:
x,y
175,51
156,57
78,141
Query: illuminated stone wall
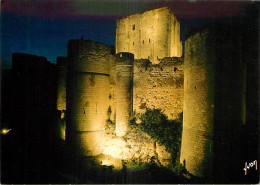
x,y
88,94
198,109
61,95
151,35
135,145
61,90
213,102
124,91
159,86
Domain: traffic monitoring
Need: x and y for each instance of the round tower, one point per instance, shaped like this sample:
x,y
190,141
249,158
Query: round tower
x,y
214,100
88,95
124,91
198,109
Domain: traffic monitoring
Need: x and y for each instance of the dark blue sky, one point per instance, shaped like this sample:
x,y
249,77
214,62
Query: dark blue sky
x,y
44,27
49,37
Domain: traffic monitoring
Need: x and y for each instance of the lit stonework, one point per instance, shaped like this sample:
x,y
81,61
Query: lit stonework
x,y
61,91
124,90
88,94
214,101
198,109
151,35
106,90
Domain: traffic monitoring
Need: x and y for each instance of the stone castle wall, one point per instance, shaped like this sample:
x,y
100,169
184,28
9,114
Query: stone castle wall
x,y
97,93
159,86
198,110
61,95
61,91
102,86
151,35
213,113
88,94
124,92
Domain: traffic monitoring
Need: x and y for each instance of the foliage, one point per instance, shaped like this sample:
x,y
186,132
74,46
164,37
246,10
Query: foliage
x,y
165,132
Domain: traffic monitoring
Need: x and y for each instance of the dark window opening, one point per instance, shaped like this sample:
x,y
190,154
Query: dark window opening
x,y
134,27
143,41
149,40
133,43
195,87
175,69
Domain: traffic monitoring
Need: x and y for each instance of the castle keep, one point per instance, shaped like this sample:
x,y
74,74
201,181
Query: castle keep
x,y
151,35
104,86
148,71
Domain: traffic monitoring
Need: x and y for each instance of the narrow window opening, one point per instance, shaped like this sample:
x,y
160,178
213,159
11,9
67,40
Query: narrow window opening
x,y
143,41
175,69
134,27
133,43
149,40
195,87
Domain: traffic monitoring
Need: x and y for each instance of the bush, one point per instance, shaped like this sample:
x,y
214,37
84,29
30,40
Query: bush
x,y
165,132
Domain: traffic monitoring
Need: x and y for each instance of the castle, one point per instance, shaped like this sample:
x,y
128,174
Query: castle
x,y
148,71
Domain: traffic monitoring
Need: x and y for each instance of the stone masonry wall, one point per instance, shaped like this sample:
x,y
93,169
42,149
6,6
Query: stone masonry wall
x,y
214,102
61,91
159,86
124,92
198,110
88,94
151,35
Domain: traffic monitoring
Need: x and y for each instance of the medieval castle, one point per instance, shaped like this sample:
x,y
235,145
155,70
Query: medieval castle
x,y
149,70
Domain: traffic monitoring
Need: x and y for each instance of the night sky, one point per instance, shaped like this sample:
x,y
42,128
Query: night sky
x,y
43,27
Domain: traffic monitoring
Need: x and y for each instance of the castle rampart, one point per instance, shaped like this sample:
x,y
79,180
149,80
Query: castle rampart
x,y
61,95
212,112
88,88
159,86
61,91
151,35
104,87
124,91
198,110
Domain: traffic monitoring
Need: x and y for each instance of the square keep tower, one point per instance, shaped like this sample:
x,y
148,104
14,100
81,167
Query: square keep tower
x,y
152,35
